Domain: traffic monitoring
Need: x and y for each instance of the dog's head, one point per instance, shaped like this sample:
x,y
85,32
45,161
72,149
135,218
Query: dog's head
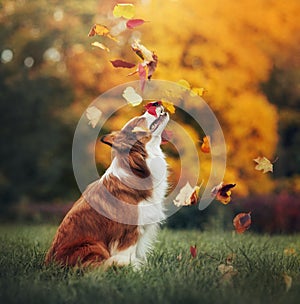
x,y
139,139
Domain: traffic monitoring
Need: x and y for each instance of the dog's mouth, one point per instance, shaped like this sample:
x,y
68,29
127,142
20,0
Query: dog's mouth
x,y
158,125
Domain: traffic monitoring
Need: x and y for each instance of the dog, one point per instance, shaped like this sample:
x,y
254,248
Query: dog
x,y
116,220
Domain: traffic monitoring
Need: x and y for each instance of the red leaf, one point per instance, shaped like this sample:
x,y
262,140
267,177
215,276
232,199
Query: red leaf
x,y
131,24
151,107
242,222
142,75
193,250
118,63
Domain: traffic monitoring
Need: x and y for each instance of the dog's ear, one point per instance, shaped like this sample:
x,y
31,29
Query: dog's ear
x,y
109,138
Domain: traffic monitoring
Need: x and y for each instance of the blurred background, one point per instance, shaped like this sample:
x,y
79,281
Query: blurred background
x,y
245,54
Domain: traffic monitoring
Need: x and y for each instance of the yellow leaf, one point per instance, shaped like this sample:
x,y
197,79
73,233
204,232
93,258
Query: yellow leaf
x,y
288,281
198,91
184,84
263,164
126,10
205,147
101,30
289,251
100,45
169,106
93,114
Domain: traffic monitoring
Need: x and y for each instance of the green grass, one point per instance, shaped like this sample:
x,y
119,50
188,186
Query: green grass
x,y
259,260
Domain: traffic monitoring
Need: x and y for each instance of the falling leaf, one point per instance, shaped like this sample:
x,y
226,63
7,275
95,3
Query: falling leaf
x,y
142,75
149,58
289,251
93,114
101,30
169,106
133,23
194,91
193,251
205,147
223,192
118,63
126,10
242,222
288,281
100,45
263,164
152,106
187,195
132,97
142,51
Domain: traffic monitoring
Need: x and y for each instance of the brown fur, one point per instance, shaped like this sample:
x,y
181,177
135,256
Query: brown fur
x,y
85,237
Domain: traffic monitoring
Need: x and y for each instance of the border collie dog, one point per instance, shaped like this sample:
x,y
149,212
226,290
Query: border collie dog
x,y
116,220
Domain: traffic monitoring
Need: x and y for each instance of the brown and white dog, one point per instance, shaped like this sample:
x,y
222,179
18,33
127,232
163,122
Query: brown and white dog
x,y
116,220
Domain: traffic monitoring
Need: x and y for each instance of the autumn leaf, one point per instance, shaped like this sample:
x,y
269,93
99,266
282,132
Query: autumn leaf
x,y
126,10
93,114
101,30
230,258
139,129
263,164
193,91
100,45
133,23
242,222
132,97
288,281
118,63
193,251
142,74
152,106
223,192
169,106
187,195
205,147
289,251
228,272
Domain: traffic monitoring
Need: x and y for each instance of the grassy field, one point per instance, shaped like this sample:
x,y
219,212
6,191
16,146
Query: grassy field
x,y
171,276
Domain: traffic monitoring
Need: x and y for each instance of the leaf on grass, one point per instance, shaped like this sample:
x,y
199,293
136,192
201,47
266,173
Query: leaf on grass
x,y
133,23
288,281
289,251
179,257
93,114
187,196
126,10
230,258
205,147
193,251
118,63
242,222
263,164
169,106
100,45
132,97
222,192
228,272
101,30
152,106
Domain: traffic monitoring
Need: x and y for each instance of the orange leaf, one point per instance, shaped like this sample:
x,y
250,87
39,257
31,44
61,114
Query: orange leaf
x,y
187,195
242,222
223,192
205,147
101,30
